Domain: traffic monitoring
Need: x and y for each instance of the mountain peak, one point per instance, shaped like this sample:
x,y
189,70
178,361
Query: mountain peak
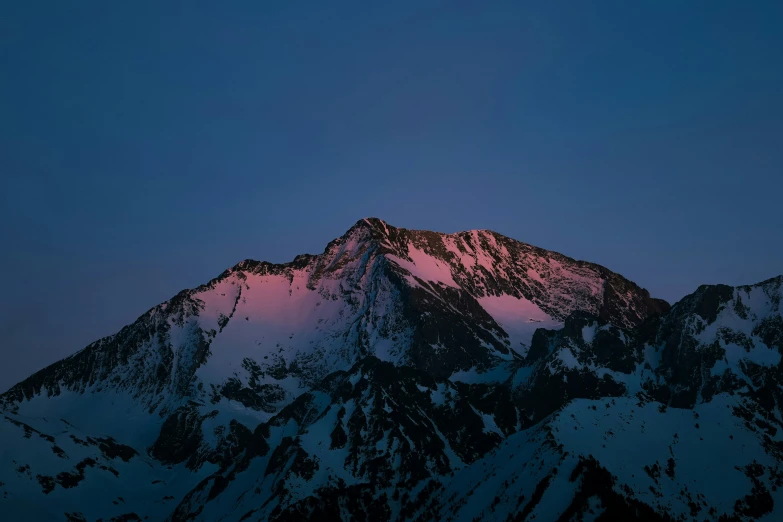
x,y
365,229
372,223
383,226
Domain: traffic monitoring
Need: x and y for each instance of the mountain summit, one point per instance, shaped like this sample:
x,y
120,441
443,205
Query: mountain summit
x,y
410,375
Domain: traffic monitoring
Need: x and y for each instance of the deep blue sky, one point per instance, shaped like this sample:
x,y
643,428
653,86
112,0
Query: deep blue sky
x,y
147,146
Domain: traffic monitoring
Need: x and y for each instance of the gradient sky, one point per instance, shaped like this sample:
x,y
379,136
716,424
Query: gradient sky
x,y
147,146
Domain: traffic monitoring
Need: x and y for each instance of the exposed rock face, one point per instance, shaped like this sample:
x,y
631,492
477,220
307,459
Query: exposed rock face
x,y
411,375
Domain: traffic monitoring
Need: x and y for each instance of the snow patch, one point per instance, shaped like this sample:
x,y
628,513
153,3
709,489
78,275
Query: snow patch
x,y
518,317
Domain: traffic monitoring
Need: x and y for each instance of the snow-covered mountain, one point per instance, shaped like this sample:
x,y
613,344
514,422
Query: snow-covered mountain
x,y
411,375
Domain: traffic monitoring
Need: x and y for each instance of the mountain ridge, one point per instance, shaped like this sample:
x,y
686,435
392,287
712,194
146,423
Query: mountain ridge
x,y
398,373
384,239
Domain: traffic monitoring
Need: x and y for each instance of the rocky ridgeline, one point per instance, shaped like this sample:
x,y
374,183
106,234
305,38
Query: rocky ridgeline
x,y
411,375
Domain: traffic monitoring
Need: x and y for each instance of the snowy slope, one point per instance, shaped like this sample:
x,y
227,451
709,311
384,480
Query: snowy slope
x,y
405,375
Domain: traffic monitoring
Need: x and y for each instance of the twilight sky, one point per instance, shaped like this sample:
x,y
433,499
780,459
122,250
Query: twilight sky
x,y
147,146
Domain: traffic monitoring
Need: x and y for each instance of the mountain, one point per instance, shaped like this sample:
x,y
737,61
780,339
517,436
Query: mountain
x,y
411,375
